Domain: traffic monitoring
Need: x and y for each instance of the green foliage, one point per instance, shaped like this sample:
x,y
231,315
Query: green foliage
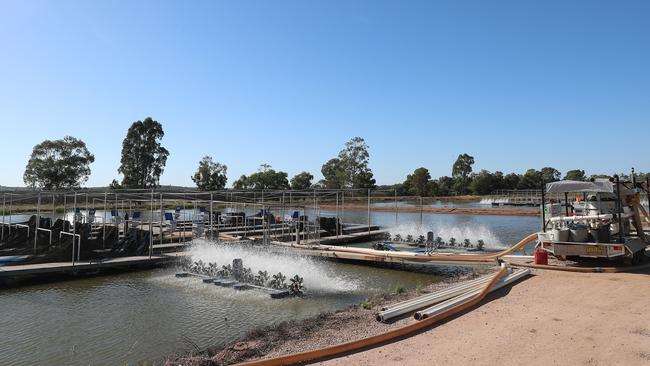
x,y
115,184
485,182
461,171
575,174
143,157
419,183
550,174
301,180
58,164
211,175
265,178
350,169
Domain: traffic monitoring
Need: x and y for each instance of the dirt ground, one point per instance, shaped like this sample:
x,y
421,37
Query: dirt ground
x,y
552,318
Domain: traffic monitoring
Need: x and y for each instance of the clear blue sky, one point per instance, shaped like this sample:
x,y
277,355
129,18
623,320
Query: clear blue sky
x,y
517,84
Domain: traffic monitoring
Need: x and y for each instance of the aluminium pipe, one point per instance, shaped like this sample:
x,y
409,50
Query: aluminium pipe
x,y
425,297
433,299
436,298
466,284
462,299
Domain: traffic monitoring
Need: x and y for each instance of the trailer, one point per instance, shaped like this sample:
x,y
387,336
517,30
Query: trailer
x,y
602,220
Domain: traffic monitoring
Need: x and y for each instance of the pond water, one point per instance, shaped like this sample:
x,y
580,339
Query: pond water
x,y
138,317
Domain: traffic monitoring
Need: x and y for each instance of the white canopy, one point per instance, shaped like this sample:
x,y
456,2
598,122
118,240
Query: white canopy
x,y
568,186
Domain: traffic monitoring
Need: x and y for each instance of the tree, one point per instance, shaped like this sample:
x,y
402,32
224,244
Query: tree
x,y
143,157
333,174
301,180
265,178
59,164
511,181
550,174
115,185
463,166
418,182
461,171
350,168
485,182
575,174
445,186
211,175
532,179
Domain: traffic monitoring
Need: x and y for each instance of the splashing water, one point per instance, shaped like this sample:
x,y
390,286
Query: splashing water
x,y
318,275
473,233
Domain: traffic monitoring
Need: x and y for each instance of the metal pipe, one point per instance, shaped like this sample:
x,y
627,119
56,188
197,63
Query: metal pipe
x,y
337,216
437,297
396,210
368,211
620,209
2,238
161,218
104,221
456,301
543,207
211,213
460,285
74,225
11,199
151,225
38,219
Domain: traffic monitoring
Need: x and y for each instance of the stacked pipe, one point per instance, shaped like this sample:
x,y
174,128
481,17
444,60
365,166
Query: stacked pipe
x,y
468,296
450,294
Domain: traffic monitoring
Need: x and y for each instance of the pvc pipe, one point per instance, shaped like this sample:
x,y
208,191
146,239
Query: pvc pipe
x,y
462,299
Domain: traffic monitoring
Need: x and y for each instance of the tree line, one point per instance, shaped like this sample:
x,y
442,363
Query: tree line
x,y
65,164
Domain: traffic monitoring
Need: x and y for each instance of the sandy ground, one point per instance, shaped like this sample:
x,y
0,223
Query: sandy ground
x,y
552,318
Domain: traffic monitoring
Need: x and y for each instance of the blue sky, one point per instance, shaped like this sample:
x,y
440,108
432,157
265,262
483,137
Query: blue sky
x,y
516,84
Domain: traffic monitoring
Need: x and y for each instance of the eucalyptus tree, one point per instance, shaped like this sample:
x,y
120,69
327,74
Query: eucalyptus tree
x,y
58,164
143,157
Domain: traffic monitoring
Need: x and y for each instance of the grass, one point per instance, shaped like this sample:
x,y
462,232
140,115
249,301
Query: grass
x,y
365,304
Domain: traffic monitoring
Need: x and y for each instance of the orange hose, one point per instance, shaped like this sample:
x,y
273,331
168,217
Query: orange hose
x,y
377,339
583,269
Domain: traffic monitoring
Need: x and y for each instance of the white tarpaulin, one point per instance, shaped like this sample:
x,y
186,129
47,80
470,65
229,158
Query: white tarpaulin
x,y
568,186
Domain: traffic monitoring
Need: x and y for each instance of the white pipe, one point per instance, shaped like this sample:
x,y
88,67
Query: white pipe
x,y
582,218
456,301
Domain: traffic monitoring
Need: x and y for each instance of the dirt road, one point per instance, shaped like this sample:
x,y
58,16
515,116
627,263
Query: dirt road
x,y
553,318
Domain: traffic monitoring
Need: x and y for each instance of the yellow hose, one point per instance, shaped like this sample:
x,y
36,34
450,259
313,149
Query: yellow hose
x,y
377,339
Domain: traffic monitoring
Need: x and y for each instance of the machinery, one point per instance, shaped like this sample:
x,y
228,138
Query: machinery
x,y
602,221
